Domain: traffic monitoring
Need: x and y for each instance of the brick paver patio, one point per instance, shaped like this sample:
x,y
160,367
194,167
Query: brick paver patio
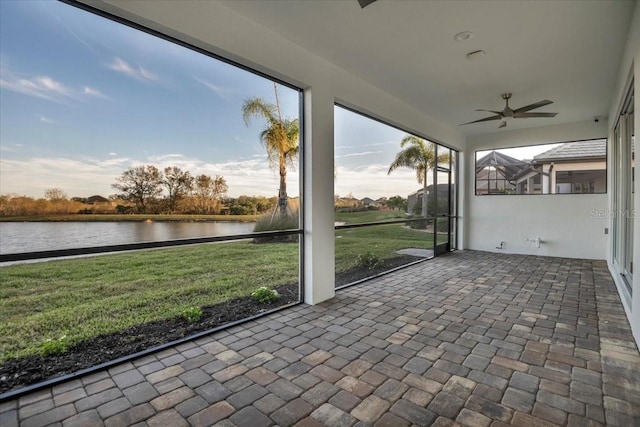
x,y
470,338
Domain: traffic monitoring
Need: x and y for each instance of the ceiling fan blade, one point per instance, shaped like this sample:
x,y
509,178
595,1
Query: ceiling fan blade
x,y
365,3
489,111
530,115
533,106
503,125
486,119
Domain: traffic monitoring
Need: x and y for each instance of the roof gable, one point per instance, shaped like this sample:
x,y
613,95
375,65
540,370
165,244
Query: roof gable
x,y
576,150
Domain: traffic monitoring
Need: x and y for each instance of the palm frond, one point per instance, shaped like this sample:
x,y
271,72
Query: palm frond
x,y
417,154
259,107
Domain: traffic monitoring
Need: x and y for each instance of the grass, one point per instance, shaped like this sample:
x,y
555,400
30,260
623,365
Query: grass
x,y
86,297
127,217
380,240
368,216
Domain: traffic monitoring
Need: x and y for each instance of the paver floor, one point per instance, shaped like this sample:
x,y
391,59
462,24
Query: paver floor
x,y
470,338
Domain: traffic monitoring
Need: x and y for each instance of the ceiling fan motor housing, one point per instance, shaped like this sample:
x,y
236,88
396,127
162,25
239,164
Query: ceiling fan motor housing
x,y
507,112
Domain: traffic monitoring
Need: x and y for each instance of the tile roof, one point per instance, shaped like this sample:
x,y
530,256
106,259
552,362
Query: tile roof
x,y
575,150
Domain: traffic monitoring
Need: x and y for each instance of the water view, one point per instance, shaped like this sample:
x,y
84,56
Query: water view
x,y
16,237
196,138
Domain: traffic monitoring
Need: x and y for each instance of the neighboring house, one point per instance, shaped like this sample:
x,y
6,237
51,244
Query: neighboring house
x,y
414,200
97,199
368,201
495,171
573,167
91,200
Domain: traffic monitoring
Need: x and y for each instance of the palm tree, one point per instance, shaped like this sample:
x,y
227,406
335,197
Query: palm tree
x,y
420,155
280,138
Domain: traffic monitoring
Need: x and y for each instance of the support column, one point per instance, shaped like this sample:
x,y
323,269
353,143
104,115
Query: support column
x,y
546,181
319,234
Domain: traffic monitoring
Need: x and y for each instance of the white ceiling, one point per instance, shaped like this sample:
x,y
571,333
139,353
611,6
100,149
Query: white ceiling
x,y
565,51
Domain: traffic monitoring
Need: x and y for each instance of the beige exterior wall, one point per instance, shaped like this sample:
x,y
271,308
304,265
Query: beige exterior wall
x,y
600,183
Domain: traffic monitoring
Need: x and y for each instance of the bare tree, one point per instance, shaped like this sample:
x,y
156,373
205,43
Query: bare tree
x,y
178,184
55,195
208,191
139,185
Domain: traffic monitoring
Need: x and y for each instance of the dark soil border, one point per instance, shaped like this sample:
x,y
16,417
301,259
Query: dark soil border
x,y
30,370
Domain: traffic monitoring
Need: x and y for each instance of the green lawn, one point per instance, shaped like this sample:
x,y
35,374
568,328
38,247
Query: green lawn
x,y
86,297
381,240
368,216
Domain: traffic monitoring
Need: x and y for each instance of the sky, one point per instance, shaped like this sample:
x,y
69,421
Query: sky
x,y
520,153
83,99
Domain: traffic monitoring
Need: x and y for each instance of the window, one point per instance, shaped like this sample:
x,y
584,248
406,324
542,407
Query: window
x,y
577,167
116,141
624,210
394,197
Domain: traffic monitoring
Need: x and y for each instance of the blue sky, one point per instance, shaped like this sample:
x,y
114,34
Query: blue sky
x,y
83,98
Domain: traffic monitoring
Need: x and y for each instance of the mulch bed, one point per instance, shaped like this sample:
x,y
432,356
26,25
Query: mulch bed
x,y
24,371
358,273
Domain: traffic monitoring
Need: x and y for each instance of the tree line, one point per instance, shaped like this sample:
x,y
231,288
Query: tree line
x,y
145,190
172,190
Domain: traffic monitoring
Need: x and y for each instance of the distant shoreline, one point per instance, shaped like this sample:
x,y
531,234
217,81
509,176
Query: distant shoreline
x,y
129,218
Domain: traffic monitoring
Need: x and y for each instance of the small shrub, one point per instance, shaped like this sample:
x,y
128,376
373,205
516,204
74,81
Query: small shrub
x,y
420,224
192,314
368,260
52,347
265,295
273,221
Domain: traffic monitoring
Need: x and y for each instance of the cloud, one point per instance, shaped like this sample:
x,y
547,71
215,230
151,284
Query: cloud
x,y
88,176
45,87
363,153
139,73
93,92
33,176
220,91
377,144
40,87
47,120
111,162
250,176
164,158
52,85
10,149
373,181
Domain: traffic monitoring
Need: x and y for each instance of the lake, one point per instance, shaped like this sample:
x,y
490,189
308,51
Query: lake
x,y
18,237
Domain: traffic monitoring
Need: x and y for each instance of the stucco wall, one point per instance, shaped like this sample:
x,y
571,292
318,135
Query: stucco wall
x,y
569,225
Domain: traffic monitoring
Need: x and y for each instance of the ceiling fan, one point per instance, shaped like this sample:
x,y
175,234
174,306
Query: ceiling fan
x,y
520,113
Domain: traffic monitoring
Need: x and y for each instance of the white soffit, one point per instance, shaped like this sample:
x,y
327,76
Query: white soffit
x,y
565,51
